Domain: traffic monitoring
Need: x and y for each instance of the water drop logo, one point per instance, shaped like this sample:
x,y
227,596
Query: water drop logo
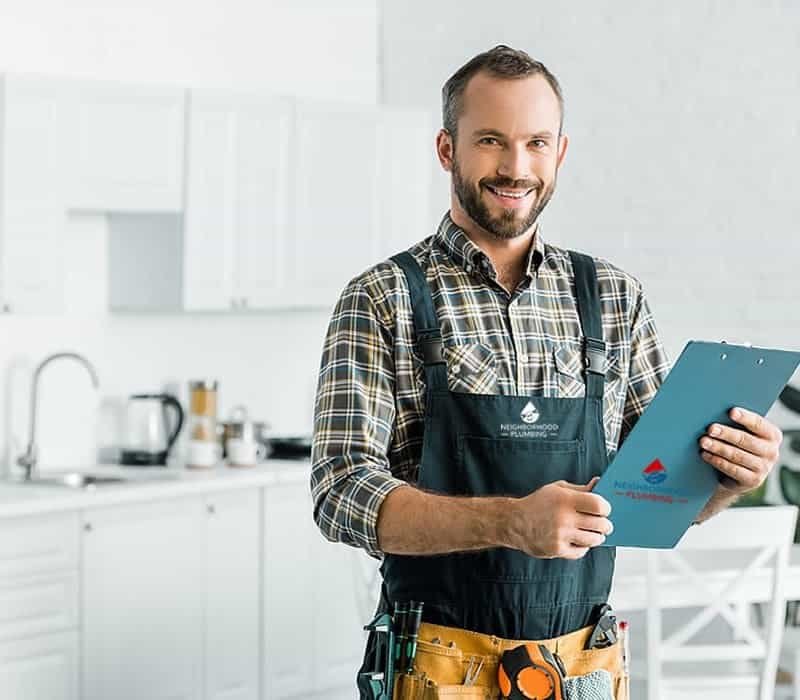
x,y
655,472
529,414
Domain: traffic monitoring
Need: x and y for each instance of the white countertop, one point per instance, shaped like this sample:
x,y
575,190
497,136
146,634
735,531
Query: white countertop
x,y
144,484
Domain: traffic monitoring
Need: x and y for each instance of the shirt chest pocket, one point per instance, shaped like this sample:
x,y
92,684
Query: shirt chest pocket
x,y
569,375
471,368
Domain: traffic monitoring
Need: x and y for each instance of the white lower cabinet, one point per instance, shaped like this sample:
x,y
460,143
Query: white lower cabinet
x,y
142,601
39,607
40,668
233,595
312,629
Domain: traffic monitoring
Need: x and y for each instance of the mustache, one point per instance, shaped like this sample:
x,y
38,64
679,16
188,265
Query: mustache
x,y
502,183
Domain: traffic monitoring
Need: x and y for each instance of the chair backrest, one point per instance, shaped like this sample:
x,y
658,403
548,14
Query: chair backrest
x,y
718,569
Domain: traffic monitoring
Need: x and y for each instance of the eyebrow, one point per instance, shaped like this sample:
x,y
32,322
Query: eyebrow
x,y
494,132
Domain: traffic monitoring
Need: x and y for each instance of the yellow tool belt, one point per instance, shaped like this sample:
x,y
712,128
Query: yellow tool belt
x,y
447,655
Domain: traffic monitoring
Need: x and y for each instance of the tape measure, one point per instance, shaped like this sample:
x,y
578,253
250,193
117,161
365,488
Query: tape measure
x,y
531,672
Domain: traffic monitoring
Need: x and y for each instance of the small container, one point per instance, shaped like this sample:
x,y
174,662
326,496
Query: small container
x,y
202,423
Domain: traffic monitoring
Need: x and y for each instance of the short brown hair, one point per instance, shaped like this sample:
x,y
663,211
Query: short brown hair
x,y
502,62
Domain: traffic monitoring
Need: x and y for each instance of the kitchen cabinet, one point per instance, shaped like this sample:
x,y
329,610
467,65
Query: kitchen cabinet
x,y
39,608
32,213
336,199
40,667
288,618
312,629
123,146
237,216
231,659
142,601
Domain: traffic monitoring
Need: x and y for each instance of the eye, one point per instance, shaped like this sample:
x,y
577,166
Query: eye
x,y
489,140
539,143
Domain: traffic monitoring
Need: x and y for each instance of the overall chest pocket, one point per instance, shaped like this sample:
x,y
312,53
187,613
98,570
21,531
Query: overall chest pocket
x,y
471,368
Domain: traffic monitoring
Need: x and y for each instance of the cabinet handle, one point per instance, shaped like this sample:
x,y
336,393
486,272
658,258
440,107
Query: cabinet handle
x,y
244,302
210,508
234,303
87,527
6,308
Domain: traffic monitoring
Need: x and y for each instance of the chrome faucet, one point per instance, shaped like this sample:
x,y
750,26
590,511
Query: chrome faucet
x,y
29,459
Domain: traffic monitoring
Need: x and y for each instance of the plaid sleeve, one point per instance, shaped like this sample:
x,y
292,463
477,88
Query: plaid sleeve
x,y
354,416
649,365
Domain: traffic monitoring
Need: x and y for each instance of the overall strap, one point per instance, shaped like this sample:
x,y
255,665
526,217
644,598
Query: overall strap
x,y
588,299
426,325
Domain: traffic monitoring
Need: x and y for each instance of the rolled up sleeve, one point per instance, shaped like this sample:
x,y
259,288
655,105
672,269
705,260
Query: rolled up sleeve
x,y
354,415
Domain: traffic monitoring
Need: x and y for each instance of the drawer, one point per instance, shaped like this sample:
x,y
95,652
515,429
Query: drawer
x,y
39,544
42,667
38,605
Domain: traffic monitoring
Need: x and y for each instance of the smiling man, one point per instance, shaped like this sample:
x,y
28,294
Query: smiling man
x,y
472,389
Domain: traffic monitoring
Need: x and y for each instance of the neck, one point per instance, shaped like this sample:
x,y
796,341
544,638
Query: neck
x,y
508,255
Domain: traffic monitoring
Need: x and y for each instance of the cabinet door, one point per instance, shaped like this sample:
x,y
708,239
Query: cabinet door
x,y
40,668
287,569
340,591
261,204
124,147
336,193
208,240
236,201
142,601
405,161
232,645
31,211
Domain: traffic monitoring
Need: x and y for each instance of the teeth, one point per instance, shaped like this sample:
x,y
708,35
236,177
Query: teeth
x,y
513,195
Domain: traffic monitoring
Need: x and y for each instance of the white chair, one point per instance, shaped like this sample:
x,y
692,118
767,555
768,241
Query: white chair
x,y
705,646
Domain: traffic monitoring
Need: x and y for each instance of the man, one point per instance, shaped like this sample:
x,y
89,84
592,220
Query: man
x,y
472,390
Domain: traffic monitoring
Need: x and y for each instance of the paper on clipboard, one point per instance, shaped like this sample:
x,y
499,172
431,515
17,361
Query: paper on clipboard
x,y
657,483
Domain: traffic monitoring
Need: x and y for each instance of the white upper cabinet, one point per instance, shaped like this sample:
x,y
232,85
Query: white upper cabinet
x,y
236,217
336,202
32,213
123,147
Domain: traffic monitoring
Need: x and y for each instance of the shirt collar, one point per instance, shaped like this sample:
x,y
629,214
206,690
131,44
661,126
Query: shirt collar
x,y
462,251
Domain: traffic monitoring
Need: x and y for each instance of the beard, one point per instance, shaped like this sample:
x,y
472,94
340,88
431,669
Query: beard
x,y
506,225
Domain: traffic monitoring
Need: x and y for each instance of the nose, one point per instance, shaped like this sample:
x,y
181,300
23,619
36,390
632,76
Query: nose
x,y
515,163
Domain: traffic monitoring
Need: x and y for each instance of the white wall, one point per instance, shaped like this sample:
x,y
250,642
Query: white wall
x,y
268,361
685,139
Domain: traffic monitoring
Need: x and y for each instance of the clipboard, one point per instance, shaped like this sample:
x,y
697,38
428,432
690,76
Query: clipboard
x,y
658,483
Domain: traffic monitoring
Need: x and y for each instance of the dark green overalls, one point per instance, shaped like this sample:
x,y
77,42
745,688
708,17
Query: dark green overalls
x,y
480,445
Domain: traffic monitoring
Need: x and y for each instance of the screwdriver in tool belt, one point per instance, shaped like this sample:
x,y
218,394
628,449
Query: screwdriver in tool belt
x,y
412,632
400,623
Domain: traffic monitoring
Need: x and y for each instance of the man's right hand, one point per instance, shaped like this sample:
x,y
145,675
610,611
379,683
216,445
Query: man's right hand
x,y
560,520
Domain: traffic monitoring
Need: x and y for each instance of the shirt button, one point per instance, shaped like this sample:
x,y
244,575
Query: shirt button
x,y
523,358
468,268
456,369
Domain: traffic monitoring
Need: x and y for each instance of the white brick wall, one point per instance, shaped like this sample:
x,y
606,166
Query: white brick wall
x,y
685,139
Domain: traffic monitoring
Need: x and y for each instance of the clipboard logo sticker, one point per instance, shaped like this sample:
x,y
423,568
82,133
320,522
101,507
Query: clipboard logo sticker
x,y
529,414
655,472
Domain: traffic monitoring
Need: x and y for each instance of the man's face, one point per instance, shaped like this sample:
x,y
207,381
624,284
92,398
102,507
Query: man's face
x,y
507,152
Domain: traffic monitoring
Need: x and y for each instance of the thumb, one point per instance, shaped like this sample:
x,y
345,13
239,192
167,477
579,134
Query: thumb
x,y
582,487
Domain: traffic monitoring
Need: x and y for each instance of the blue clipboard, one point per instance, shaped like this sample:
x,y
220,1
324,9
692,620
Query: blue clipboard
x,y
657,483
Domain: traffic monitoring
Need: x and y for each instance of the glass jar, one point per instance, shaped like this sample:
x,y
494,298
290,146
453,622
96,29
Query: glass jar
x,y
203,423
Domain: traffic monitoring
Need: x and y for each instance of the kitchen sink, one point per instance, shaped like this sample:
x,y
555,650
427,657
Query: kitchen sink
x,y
77,480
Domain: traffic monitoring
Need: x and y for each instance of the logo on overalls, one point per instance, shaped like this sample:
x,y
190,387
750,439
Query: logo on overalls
x,y
530,414
655,472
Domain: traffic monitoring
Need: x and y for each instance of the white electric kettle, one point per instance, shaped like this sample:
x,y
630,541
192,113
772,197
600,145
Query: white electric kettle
x,y
150,433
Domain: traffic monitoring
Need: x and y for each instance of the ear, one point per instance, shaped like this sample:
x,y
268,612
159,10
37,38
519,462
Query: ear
x,y
445,149
563,142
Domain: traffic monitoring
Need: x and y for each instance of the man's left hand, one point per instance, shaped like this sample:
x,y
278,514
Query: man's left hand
x,y
744,457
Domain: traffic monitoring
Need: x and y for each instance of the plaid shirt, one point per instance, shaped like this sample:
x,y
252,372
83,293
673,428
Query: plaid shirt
x,y
368,422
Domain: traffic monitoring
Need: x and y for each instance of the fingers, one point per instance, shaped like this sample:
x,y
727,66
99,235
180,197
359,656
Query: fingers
x,y
591,504
756,424
591,523
586,539
581,487
745,442
745,478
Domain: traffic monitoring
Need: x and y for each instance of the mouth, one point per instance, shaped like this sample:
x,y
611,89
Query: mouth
x,y
510,198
